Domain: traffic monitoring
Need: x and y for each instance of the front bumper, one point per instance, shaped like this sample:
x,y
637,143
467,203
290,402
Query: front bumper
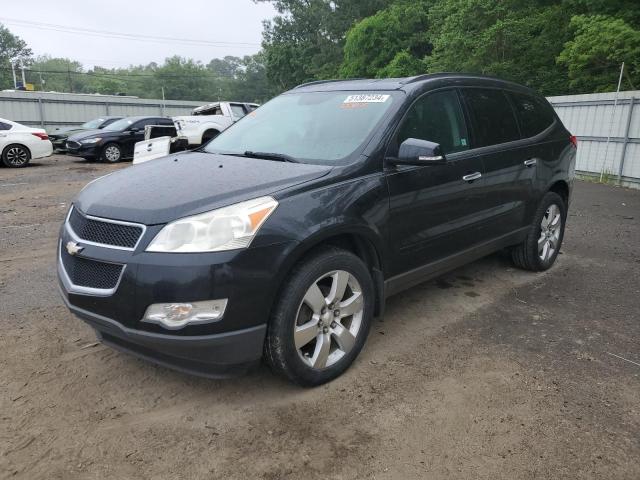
x,y
213,356
59,144
82,150
248,278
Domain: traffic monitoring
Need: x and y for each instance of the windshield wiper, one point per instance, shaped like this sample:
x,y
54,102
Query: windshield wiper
x,y
281,157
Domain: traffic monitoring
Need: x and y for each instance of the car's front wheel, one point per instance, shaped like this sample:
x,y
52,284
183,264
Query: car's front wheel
x,y
111,153
321,319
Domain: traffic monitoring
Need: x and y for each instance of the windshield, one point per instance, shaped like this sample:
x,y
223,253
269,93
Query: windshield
x,y
316,127
93,124
119,125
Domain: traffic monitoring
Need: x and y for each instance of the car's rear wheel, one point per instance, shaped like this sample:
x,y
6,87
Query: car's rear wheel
x,y
16,156
321,319
111,153
540,249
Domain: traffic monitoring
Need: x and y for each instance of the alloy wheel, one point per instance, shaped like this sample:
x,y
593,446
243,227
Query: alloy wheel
x,y
112,153
17,156
550,229
329,319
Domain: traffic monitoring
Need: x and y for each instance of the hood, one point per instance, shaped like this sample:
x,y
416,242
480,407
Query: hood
x,y
177,186
88,134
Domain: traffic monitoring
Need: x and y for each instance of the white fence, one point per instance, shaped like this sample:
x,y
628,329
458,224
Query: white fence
x,y
608,134
55,110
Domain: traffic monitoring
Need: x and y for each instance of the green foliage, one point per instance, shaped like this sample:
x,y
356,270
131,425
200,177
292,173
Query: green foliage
x,y
12,49
511,39
391,42
593,57
305,41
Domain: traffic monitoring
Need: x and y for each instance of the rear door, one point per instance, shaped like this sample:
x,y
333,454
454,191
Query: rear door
x,y
432,208
507,185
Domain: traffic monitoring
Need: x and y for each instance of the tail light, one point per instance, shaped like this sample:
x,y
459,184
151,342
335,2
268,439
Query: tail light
x,y
574,141
41,136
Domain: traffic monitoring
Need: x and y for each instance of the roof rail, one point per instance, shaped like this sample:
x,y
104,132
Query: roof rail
x,y
425,76
319,82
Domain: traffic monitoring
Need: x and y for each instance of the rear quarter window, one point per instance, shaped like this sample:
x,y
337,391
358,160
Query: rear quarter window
x,y
5,126
534,114
493,119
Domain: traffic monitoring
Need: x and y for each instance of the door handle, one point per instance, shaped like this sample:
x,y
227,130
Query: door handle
x,y
472,176
530,162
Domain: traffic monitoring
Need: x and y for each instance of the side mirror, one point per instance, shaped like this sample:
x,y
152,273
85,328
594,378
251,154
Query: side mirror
x,y
414,151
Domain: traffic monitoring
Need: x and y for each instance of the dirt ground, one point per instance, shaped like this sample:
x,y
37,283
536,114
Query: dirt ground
x,y
486,373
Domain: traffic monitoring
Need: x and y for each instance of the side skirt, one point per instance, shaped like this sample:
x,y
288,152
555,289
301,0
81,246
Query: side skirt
x,y
432,270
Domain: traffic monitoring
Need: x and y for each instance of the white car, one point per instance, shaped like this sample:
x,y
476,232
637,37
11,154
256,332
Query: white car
x,y
19,143
208,121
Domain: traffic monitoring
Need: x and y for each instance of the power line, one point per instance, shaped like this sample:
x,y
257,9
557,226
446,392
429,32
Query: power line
x,y
124,75
121,35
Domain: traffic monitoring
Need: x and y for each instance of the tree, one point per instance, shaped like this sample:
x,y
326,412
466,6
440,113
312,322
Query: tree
x,y
12,49
66,81
510,39
593,57
305,41
391,42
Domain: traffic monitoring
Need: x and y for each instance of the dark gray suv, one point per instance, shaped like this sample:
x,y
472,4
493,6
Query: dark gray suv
x,y
283,236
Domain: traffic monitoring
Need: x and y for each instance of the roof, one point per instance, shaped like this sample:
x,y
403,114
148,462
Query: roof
x,y
406,83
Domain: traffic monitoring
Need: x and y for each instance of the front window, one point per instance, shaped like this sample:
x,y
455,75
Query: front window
x,y
315,127
238,111
93,124
120,125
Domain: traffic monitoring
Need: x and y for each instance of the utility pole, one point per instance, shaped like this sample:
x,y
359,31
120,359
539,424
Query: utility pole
x,y
615,105
24,80
15,80
70,81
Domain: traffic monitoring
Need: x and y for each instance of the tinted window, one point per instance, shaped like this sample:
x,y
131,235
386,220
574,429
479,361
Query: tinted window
x,y
492,115
534,114
238,110
436,117
109,121
152,121
5,126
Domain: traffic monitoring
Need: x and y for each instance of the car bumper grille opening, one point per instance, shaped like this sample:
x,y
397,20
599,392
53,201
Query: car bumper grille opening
x,y
87,273
104,232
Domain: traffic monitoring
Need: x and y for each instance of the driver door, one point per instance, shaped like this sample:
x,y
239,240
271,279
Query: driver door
x,y
432,207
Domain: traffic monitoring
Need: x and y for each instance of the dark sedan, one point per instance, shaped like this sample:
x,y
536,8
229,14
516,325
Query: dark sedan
x,y
60,136
114,142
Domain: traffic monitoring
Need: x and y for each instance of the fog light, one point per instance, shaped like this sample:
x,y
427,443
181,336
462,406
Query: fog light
x,y
177,315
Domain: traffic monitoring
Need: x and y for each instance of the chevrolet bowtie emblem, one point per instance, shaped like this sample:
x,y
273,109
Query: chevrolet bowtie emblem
x,y
74,248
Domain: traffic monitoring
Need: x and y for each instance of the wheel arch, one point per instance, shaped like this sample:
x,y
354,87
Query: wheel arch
x,y
360,243
561,187
16,144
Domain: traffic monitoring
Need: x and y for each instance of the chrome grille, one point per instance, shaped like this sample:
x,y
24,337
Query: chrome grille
x,y
104,232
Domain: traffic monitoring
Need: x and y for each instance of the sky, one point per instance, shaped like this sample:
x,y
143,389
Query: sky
x,y
231,27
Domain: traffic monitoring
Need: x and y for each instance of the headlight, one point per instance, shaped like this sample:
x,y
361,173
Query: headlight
x,y
90,140
227,228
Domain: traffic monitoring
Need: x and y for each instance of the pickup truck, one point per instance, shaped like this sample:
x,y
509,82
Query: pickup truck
x,y
208,121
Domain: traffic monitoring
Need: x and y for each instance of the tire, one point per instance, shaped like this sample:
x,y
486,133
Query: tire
x,y
16,156
539,250
209,135
111,153
327,339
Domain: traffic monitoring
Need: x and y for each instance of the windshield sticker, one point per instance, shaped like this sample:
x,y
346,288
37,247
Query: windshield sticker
x,y
367,98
